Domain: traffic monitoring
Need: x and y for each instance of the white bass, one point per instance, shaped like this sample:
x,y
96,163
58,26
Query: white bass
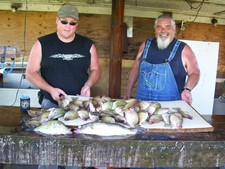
x,y
105,129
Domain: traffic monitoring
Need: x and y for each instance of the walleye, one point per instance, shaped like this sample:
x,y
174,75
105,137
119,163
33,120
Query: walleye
x,y
105,129
53,127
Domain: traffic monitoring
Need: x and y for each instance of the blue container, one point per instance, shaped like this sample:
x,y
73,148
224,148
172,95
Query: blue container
x,y
24,103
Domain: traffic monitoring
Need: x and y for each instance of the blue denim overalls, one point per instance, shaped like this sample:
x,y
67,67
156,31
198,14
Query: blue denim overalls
x,y
156,81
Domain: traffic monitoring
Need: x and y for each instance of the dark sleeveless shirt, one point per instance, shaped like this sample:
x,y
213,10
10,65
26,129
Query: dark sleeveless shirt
x,y
65,65
157,56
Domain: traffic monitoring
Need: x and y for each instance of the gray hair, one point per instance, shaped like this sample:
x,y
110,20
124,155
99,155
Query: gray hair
x,y
165,16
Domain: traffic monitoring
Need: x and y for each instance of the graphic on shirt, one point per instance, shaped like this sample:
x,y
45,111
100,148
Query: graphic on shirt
x,y
67,56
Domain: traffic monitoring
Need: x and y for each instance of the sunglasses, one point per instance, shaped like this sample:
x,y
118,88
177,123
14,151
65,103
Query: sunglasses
x,y
64,22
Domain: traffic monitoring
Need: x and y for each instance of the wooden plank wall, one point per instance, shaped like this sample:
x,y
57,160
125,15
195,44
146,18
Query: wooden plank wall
x,y
21,29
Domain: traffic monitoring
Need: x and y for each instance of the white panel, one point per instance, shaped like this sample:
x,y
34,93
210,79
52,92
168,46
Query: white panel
x,y
203,93
11,97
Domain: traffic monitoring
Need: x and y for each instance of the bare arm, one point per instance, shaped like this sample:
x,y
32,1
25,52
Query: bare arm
x,y
134,72
33,74
191,66
95,73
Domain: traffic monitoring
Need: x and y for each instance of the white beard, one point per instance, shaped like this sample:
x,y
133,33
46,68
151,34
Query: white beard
x,y
163,44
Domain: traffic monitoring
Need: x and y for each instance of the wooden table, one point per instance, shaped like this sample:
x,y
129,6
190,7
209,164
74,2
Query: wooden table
x,y
206,149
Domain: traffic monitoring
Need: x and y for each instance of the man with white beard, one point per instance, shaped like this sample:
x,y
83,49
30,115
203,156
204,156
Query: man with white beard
x,y
166,69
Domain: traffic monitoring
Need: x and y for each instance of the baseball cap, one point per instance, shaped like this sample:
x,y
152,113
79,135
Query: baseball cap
x,y
68,10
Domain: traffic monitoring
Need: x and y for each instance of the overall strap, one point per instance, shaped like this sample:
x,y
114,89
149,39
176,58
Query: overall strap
x,y
145,52
172,54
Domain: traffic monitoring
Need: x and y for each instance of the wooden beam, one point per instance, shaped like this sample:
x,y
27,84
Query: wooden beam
x,y
147,9
115,61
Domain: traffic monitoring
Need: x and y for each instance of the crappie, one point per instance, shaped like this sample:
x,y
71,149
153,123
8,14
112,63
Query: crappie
x,y
176,121
64,102
105,129
120,119
130,100
56,113
161,111
70,115
142,116
107,106
53,127
131,104
131,117
144,105
74,107
92,107
155,118
33,122
166,119
83,114
184,114
178,115
157,105
119,110
77,102
151,110
94,116
118,103
108,119
44,116
34,113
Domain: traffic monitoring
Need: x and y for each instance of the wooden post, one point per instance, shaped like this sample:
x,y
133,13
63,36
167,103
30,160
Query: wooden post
x,y
115,61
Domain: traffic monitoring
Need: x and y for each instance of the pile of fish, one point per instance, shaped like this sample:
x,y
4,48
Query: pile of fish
x,y
110,115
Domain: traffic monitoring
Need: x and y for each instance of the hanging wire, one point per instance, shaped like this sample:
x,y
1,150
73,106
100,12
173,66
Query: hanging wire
x,y
24,53
198,7
192,7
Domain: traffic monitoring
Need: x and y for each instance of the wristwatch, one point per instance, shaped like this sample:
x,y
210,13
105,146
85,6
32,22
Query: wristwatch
x,y
186,88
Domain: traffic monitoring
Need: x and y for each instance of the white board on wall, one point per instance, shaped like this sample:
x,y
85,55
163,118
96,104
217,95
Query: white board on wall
x,y
203,93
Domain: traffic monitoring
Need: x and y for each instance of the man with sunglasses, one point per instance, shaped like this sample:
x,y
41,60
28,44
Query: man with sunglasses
x,y
64,62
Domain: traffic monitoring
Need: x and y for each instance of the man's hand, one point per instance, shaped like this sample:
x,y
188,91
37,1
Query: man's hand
x,y
85,91
186,96
57,93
